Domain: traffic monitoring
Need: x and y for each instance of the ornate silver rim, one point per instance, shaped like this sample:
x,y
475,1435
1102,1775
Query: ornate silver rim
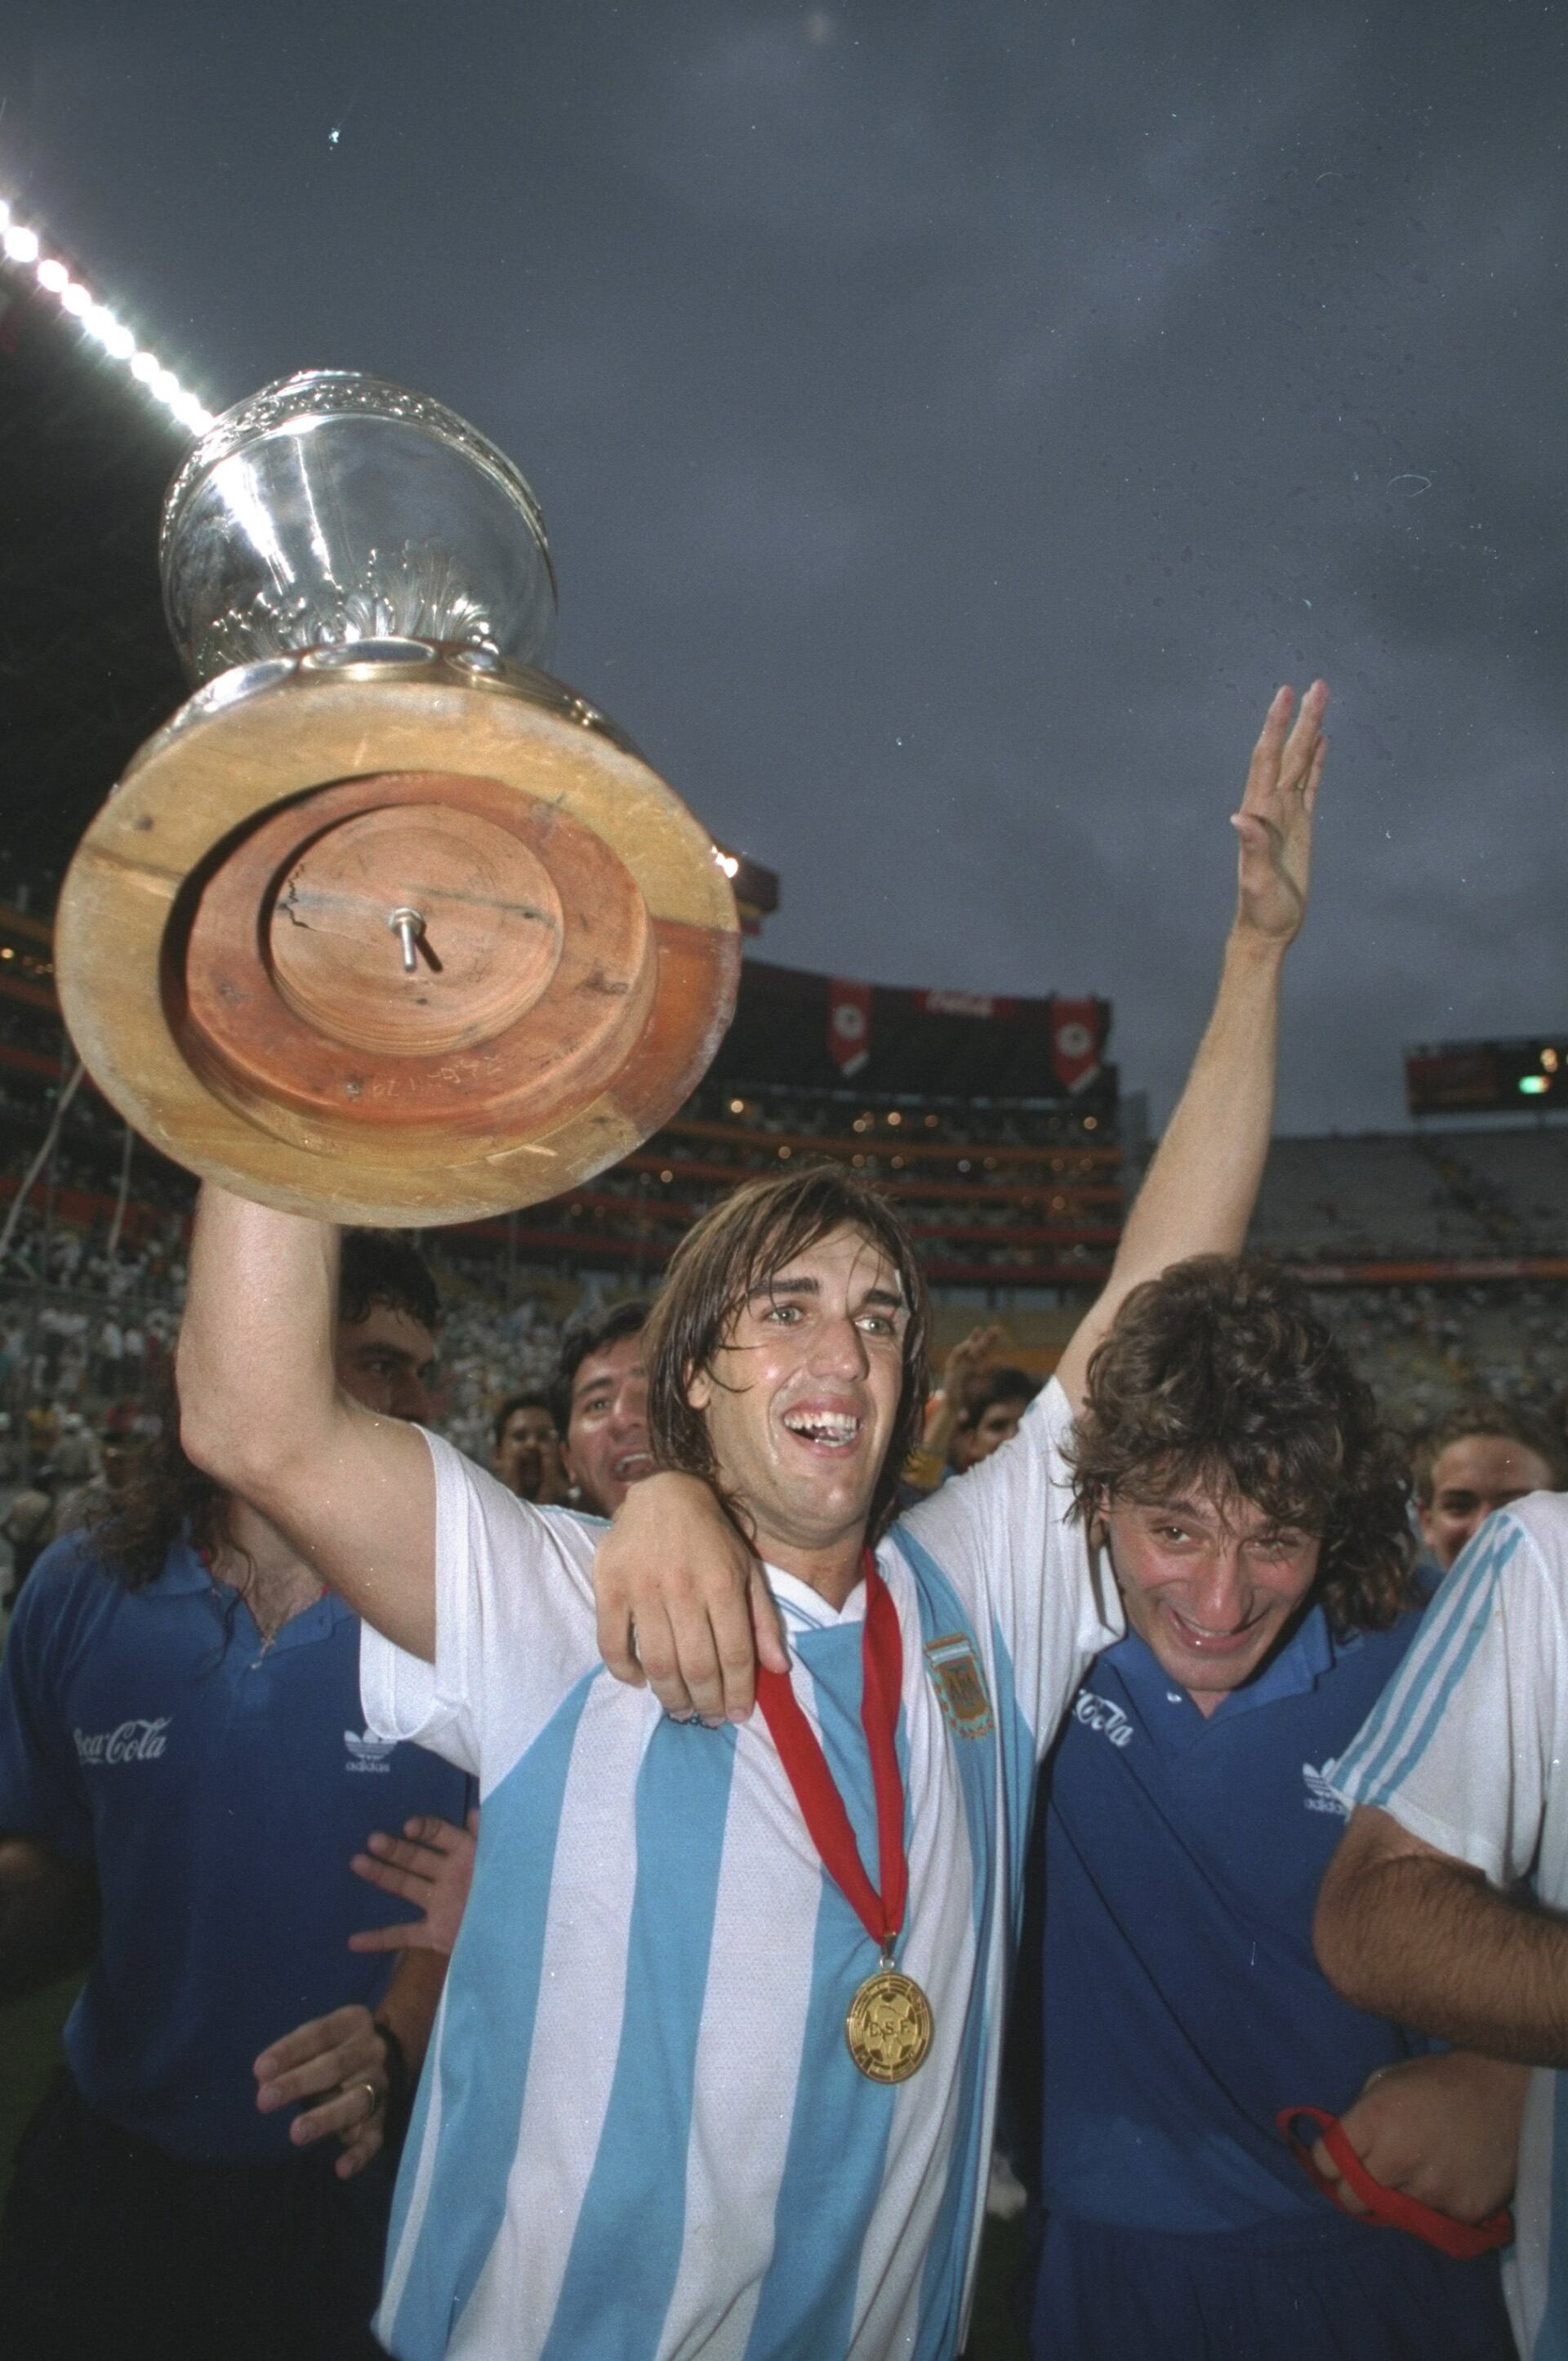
x,y
344,394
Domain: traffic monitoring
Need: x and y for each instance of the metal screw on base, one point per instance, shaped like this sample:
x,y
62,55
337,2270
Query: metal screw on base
x,y
408,925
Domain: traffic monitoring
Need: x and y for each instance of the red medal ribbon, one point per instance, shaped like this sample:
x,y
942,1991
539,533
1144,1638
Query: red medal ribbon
x,y
816,1790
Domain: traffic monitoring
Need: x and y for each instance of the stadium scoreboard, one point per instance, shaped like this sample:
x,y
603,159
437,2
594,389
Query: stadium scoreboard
x,y
1487,1077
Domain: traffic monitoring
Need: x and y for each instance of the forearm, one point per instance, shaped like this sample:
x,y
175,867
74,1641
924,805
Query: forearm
x,y
254,1363
1426,1941
1203,1183
261,1410
48,1916
941,1424
411,2001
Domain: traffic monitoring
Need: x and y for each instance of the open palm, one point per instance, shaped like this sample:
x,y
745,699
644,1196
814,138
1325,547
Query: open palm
x,y
1274,822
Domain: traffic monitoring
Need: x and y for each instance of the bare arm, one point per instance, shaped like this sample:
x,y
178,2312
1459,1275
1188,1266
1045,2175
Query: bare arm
x,y
49,1916
261,1410
1410,1933
1202,1185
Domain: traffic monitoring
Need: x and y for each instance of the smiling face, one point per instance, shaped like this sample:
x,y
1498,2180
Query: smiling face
x,y
801,1398
607,1449
1211,1584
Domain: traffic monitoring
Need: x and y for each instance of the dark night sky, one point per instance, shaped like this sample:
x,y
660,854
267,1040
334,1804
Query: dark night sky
x,y
952,422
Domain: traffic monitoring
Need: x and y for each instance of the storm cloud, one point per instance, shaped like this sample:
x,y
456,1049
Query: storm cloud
x,y
952,424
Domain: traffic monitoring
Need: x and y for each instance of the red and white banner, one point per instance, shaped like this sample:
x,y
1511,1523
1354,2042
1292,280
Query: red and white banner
x,y
962,1004
1075,1042
849,1024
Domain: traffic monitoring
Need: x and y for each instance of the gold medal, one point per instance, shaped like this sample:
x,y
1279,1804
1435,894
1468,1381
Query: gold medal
x,y
888,2027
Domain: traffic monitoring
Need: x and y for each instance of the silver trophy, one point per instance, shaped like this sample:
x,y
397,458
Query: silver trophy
x,y
385,923
331,509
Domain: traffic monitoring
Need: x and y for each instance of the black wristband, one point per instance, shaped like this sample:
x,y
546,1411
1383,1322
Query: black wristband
x,y
399,2082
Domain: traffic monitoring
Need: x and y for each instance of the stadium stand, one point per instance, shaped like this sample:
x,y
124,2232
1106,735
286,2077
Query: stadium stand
x,y
1442,1256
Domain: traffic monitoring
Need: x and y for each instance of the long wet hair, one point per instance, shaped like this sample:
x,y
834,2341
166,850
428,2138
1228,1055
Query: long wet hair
x,y
739,1246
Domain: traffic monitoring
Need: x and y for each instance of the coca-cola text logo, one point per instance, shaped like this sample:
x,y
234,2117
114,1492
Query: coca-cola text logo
x,y
128,1741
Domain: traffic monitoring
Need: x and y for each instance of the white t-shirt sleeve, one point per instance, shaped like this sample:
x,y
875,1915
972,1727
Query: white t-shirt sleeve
x,y
1004,1535
514,1626
1460,1748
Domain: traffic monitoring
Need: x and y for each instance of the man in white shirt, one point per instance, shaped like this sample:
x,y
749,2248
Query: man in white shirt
x,y
1446,1905
717,2064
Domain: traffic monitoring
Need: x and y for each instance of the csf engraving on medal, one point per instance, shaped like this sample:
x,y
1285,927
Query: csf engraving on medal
x,y
888,2027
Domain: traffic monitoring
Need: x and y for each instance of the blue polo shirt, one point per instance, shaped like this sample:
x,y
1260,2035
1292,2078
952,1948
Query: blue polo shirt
x,y
1182,2003
220,1787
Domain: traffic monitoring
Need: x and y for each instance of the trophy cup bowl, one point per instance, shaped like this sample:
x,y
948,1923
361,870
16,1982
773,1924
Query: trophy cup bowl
x,y
385,924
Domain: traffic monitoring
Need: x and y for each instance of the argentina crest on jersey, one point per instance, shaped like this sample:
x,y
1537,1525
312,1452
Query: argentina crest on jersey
x,y
960,1683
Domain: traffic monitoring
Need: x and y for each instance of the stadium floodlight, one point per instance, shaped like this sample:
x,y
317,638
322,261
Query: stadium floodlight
x,y
20,244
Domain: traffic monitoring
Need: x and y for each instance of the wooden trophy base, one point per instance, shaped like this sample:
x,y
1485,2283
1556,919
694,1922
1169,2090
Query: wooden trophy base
x,y
395,942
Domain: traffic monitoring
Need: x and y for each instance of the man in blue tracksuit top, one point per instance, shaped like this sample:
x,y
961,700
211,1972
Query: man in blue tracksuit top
x,y
1255,1518
185,1777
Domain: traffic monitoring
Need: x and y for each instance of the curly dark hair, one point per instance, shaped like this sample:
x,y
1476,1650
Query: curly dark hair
x,y
739,1245
1219,1373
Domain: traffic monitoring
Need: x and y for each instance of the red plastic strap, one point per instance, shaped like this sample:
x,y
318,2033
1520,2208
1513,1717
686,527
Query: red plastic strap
x,y
821,1805
1390,2208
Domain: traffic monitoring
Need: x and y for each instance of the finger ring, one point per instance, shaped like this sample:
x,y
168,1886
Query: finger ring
x,y
375,2096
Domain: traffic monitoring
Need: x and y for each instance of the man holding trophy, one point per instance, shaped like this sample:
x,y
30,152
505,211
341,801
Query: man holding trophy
x,y
407,932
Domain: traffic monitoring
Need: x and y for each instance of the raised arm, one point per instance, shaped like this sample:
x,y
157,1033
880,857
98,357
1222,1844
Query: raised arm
x,y
1202,1185
261,1410
1407,1932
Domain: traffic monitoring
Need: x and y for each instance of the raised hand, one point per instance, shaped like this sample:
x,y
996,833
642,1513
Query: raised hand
x,y
1274,822
967,1359
431,1865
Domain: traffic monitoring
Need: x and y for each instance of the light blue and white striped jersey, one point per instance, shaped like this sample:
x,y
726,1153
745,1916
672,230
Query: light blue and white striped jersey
x,y
1467,1748
639,2135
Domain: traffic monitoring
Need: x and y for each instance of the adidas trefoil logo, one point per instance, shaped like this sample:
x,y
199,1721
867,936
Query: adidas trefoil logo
x,y
367,1752
1321,1796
